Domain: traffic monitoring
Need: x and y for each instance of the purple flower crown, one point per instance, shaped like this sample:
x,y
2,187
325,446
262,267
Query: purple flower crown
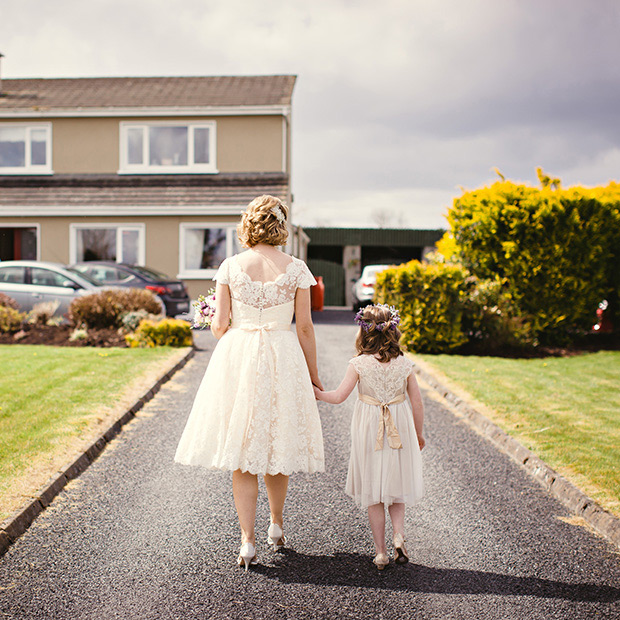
x,y
392,323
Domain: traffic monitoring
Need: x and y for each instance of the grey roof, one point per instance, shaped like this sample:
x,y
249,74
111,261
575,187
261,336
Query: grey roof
x,y
156,190
401,237
128,92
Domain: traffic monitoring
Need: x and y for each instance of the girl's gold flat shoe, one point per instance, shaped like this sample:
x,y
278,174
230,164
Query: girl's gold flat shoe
x,y
400,552
381,560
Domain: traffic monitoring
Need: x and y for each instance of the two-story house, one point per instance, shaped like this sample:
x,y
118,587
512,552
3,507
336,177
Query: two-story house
x,y
151,171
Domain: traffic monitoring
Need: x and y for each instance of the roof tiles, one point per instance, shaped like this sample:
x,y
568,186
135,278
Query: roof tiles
x,y
129,92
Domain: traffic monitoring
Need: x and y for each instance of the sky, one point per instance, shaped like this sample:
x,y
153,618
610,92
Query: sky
x,y
399,106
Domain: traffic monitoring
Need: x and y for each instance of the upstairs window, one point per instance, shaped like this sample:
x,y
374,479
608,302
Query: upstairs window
x,y
26,149
168,148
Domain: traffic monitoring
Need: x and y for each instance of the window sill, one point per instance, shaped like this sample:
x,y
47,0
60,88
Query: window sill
x,y
167,170
206,274
33,172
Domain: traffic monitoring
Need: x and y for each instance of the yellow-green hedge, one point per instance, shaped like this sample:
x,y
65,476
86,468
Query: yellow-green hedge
x,y
557,250
431,300
167,332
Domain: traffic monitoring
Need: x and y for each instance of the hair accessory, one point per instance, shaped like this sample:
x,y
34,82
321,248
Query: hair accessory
x,y
391,323
278,213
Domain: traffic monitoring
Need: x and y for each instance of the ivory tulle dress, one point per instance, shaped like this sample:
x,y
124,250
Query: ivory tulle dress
x,y
255,409
379,471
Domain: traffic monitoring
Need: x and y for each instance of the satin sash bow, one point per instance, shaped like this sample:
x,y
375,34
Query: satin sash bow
x,y
269,327
262,330
386,422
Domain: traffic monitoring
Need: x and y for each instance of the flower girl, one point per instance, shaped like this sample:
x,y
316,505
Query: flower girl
x,y
385,467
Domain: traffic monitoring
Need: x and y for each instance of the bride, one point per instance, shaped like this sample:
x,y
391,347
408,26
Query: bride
x,y
255,411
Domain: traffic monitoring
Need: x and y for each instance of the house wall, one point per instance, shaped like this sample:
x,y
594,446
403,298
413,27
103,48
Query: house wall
x,y
244,143
161,240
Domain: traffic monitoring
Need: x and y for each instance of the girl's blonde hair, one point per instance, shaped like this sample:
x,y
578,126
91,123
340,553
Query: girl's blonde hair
x,y
264,221
376,336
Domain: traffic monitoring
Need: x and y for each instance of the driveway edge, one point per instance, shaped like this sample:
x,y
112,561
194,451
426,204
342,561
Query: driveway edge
x,y
573,498
15,525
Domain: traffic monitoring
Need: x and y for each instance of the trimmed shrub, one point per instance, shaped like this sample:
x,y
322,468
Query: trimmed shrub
x,y
167,332
8,302
10,319
558,251
491,320
131,320
43,313
105,308
443,308
431,300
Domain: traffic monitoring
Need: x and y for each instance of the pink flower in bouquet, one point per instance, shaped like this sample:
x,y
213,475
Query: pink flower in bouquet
x,y
204,310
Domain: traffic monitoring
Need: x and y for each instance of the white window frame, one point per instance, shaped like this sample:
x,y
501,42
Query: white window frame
x,y
34,225
146,168
203,274
28,168
120,227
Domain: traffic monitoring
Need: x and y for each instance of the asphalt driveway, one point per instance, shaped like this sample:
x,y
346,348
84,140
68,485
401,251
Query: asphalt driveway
x,y
137,536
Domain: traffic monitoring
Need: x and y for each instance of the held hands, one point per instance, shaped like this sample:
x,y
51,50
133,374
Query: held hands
x,y
316,383
317,392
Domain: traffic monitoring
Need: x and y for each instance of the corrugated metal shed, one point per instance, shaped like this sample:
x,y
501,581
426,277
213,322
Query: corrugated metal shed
x,y
400,237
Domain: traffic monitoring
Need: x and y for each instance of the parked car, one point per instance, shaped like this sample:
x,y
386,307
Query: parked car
x,y
364,287
31,282
172,292
603,319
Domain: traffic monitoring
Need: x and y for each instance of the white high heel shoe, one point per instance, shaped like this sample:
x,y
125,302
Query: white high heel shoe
x,y
247,555
275,537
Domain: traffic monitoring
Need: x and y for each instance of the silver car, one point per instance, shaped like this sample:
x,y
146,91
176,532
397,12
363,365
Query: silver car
x,y
31,282
364,288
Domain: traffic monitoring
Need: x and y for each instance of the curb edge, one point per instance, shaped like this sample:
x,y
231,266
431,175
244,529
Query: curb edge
x,y
15,525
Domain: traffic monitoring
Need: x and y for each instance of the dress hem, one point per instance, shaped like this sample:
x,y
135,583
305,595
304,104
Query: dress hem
x,y
287,472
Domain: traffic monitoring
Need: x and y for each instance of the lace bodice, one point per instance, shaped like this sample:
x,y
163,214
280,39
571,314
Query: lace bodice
x,y
383,381
264,294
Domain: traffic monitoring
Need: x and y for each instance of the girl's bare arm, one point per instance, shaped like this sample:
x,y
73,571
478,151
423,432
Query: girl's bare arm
x,y
344,389
221,319
417,406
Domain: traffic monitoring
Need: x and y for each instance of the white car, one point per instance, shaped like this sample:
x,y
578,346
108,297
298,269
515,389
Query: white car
x,y
31,282
364,288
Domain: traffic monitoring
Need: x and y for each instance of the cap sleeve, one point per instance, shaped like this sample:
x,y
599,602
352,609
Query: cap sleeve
x,y
223,273
356,363
407,366
305,279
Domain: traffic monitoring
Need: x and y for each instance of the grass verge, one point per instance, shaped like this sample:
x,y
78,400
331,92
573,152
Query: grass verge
x,y
55,400
566,410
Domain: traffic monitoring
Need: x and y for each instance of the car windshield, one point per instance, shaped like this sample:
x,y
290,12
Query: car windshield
x,y
150,273
371,272
85,276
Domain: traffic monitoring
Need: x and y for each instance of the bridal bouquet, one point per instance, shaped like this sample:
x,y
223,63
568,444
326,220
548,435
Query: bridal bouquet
x,y
204,309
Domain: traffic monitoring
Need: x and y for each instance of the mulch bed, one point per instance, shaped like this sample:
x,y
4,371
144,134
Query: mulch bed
x,y
58,335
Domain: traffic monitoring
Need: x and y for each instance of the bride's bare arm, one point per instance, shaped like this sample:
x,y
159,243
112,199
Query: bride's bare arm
x,y
221,319
305,332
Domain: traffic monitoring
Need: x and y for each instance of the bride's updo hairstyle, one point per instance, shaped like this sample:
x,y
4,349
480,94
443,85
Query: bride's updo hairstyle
x,y
378,334
264,221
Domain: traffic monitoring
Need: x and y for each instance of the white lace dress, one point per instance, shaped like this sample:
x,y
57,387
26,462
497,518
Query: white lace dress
x,y
377,471
255,409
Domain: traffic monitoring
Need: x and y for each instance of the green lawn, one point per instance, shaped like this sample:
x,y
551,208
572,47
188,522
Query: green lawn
x,y
51,397
566,410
